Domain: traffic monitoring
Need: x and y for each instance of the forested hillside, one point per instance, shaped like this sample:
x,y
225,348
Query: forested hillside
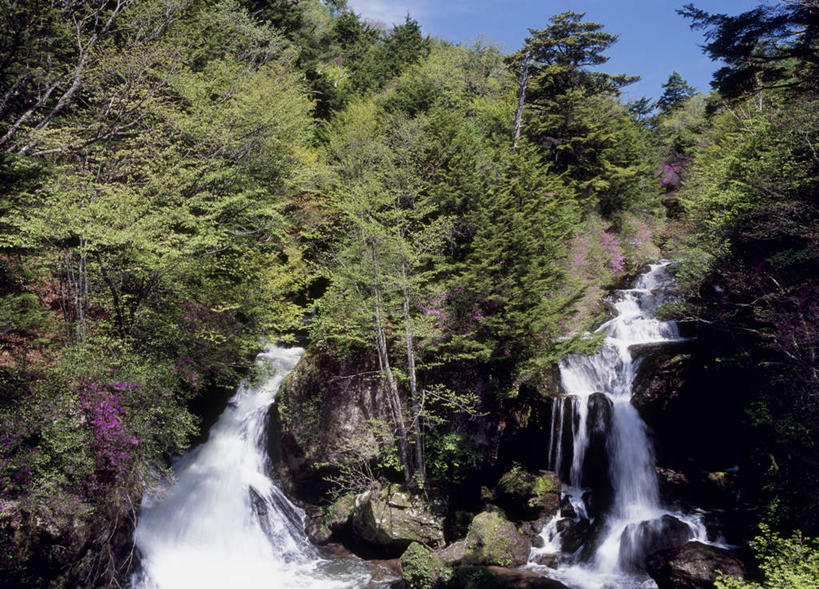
x,y
182,180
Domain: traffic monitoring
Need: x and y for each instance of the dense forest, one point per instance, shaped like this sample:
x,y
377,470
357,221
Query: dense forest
x,y
181,180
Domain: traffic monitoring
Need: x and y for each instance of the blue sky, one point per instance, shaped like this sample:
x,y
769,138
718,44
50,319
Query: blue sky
x,y
654,40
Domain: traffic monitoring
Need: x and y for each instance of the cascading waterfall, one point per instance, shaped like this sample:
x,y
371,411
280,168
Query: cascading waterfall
x,y
224,522
596,416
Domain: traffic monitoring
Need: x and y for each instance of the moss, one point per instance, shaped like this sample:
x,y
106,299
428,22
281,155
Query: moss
x,y
339,513
543,485
423,569
494,540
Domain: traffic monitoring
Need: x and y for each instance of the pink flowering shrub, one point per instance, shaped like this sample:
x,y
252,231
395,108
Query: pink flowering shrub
x,y
598,256
111,443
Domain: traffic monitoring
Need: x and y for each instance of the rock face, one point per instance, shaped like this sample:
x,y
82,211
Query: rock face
x,y
392,519
640,540
321,420
659,379
493,540
596,459
692,566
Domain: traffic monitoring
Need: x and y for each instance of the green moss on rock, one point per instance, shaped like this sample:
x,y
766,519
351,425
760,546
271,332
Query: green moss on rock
x,y
423,569
492,539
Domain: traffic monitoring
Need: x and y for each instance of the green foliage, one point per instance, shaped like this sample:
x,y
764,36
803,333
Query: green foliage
x,y
785,563
675,92
605,156
768,46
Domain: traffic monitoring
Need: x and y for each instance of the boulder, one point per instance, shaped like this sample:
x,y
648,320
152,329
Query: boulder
x,y
454,554
529,496
596,459
393,519
639,540
494,577
338,515
546,560
566,508
494,540
321,420
573,533
692,566
423,569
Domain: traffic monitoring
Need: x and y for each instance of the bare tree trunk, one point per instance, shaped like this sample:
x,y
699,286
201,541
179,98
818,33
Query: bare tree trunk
x,y
524,79
420,463
392,387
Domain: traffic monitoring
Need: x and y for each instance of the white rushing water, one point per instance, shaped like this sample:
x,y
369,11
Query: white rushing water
x,y
224,523
634,488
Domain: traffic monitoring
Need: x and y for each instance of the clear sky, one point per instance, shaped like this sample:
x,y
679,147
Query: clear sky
x,y
654,40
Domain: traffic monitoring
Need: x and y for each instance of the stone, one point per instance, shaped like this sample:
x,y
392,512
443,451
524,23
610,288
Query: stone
x,y
494,577
392,518
566,508
573,533
546,560
337,516
640,540
692,566
453,554
596,459
524,579
421,568
493,540
529,496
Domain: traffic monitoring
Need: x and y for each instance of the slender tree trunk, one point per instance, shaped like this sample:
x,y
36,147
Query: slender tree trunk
x,y
420,464
524,79
392,387
120,319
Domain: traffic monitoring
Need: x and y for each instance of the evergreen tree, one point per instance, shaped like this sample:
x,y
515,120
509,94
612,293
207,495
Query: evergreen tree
x,y
769,46
675,92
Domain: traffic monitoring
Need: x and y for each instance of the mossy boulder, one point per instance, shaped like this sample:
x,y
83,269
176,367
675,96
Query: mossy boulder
x,y
394,519
494,540
337,516
423,569
526,495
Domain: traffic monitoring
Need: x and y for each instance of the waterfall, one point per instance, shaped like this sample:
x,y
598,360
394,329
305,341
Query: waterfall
x,y
224,522
598,440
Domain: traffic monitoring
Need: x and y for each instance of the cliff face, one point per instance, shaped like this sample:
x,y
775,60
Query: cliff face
x,y
326,416
331,417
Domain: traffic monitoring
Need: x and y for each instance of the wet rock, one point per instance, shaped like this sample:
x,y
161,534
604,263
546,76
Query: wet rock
x,y
692,566
317,531
529,496
596,458
494,577
385,571
524,579
639,540
546,560
493,540
566,508
573,534
421,568
394,519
